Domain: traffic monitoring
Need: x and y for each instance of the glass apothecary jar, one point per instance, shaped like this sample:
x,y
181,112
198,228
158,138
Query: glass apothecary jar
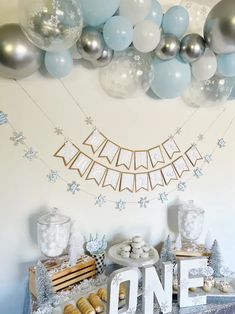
x,y
190,221
53,233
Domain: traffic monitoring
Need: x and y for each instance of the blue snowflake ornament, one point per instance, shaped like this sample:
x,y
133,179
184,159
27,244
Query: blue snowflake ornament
x,y
208,158
100,200
163,197
143,202
198,173
221,143
73,187
120,205
3,118
53,176
18,138
30,154
181,186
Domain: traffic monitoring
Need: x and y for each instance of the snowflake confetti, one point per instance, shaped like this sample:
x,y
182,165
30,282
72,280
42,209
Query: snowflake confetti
x,y
53,176
143,202
18,138
54,20
30,154
73,187
89,121
3,118
181,186
121,205
117,280
198,173
163,197
59,131
208,158
221,143
100,200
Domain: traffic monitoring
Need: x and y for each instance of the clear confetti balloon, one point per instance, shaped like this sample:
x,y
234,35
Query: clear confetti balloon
x,y
212,92
127,73
52,25
198,12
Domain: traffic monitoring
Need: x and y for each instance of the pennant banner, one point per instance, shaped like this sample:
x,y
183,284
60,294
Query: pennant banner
x,y
128,158
125,158
156,156
193,155
169,174
180,166
112,178
95,140
109,151
96,173
170,147
81,164
121,181
141,160
67,152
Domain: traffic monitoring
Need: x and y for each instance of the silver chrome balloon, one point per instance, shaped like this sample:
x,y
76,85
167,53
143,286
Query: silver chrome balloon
x,y
19,58
90,44
192,47
168,47
219,29
105,59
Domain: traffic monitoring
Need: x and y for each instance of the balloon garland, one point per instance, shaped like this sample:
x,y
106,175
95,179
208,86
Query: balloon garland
x,y
132,41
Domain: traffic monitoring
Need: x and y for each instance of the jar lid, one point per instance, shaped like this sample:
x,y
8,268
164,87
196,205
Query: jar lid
x,y
53,218
190,206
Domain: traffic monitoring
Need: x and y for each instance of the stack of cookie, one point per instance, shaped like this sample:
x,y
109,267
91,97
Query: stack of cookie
x,y
136,248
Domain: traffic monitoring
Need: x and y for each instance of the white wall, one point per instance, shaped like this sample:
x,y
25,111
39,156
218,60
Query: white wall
x,y
138,122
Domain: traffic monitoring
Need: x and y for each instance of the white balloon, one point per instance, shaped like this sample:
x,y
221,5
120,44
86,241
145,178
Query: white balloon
x,y
146,36
204,68
135,10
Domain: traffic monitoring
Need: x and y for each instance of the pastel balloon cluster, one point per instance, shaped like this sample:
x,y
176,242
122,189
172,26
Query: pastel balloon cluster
x,y
136,45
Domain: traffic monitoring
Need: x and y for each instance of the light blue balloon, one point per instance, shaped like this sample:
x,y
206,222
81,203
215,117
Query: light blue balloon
x,y
171,77
226,64
155,13
118,33
176,21
96,12
58,64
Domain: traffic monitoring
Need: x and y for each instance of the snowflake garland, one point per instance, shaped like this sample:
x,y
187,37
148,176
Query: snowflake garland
x,y
59,131
3,118
181,186
120,205
89,121
163,197
73,187
30,154
143,202
53,176
100,200
18,138
221,143
198,173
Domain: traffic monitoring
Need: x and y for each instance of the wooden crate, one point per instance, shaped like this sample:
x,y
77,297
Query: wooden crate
x,y
67,277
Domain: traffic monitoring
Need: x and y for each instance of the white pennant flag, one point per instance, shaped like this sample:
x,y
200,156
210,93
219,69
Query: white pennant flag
x,y
95,140
127,182
67,152
125,158
141,182
96,173
156,179
141,160
169,174
81,164
109,151
193,155
112,178
180,166
156,156
170,147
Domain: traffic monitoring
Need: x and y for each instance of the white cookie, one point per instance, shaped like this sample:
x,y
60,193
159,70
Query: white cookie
x,y
146,248
137,239
126,248
144,255
137,251
136,245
